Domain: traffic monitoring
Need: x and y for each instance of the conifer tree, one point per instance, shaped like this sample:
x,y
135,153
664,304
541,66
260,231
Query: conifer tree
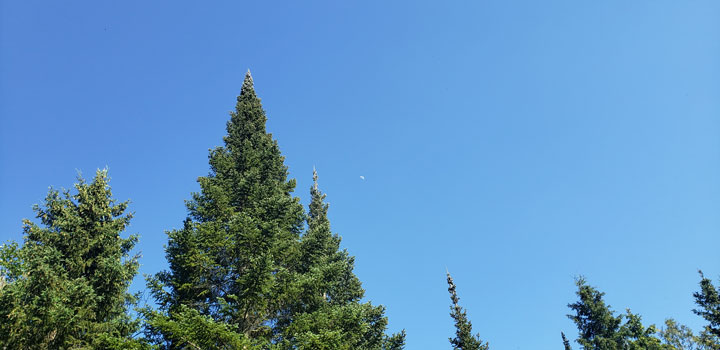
x,y
328,269
240,276
600,329
328,313
597,325
708,299
230,262
566,342
676,336
464,339
66,287
706,340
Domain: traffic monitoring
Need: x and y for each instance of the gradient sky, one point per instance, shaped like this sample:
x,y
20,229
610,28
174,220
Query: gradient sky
x,y
517,143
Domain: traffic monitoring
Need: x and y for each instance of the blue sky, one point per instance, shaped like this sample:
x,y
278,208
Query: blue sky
x,y
517,143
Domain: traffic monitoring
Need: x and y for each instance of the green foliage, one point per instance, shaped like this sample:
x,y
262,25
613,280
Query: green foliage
x,y
566,342
597,326
464,339
708,300
351,326
708,341
188,329
600,329
11,265
232,259
67,285
326,313
680,337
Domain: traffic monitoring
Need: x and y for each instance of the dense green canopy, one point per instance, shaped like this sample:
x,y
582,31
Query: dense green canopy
x,y
66,287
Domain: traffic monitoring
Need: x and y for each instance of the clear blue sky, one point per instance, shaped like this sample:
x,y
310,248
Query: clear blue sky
x,y
517,143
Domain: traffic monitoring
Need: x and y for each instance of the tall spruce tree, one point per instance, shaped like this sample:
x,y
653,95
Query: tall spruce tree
x,y
239,274
66,287
708,300
566,342
600,329
597,325
464,339
320,256
232,259
327,313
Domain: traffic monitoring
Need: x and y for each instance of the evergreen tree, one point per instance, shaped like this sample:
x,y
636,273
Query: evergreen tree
x,y
597,325
321,255
464,339
680,337
231,261
600,329
327,272
66,287
566,342
708,299
238,268
636,336
706,340
328,313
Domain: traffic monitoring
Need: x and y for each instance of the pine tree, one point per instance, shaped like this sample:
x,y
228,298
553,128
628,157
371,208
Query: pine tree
x,y
708,299
240,276
597,325
231,261
329,269
464,339
600,329
66,287
566,342
328,313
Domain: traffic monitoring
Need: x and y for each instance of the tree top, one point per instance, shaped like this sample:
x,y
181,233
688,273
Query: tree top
x,y
248,85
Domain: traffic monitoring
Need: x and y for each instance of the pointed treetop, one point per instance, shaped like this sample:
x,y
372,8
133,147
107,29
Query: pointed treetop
x,y
315,179
453,292
247,85
566,342
464,339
